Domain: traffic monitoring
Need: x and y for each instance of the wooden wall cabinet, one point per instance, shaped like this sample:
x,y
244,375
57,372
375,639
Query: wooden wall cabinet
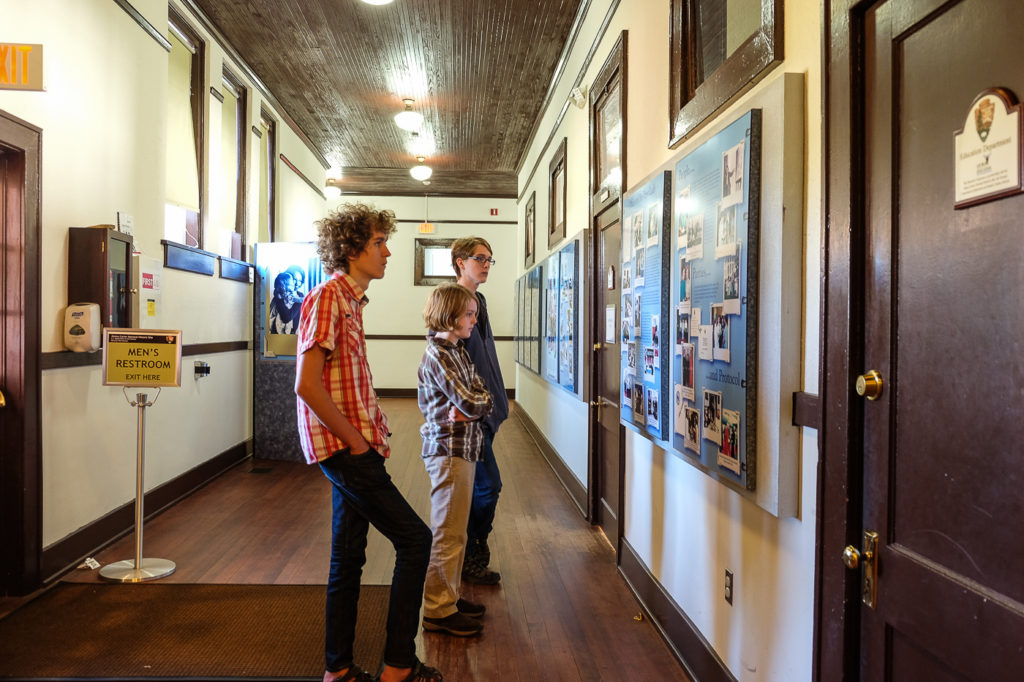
x,y
100,271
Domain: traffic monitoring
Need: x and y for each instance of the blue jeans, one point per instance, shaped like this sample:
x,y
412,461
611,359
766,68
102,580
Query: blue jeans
x,y
486,488
363,494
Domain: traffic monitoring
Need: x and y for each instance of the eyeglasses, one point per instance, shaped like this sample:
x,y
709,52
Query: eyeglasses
x,y
483,260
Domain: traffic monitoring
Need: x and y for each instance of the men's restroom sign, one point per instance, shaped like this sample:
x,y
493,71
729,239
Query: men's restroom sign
x,y
141,357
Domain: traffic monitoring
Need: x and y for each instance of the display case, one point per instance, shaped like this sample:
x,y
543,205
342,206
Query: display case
x,y
100,271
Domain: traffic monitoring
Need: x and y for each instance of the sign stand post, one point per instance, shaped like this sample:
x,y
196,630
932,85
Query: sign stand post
x,y
140,569
140,358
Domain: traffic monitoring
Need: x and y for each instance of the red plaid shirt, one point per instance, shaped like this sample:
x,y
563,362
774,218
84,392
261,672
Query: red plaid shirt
x,y
332,318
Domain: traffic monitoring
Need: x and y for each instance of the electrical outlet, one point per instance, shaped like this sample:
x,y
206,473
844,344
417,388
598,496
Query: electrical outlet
x,y
728,586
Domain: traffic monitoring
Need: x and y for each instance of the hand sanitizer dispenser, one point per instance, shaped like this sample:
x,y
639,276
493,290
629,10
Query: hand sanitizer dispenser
x,y
82,327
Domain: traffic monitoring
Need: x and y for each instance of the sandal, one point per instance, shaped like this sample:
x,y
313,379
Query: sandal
x,y
355,674
419,673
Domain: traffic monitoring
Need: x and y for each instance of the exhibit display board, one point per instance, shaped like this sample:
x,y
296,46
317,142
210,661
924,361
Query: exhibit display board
x,y
714,300
549,322
645,311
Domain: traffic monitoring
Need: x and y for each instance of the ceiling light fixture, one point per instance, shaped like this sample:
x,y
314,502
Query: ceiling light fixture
x,y
421,172
331,188
409,119
377,2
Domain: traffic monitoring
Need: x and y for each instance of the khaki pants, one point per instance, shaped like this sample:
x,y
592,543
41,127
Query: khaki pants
x,y
451,495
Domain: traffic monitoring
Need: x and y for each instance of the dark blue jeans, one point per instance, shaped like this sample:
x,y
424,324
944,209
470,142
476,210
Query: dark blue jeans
x,y
486,488
363,494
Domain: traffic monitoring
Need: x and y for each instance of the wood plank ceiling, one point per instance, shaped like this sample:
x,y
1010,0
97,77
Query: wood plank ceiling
x,y
478,70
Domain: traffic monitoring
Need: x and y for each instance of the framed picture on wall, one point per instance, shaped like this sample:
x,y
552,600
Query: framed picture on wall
x,y
556,196
530,240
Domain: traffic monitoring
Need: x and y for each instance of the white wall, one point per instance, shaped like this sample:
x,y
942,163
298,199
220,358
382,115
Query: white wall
x,y
686,527
103,120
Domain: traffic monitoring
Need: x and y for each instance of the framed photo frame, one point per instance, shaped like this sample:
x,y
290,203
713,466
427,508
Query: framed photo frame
x,y
703,74
530,225
556,196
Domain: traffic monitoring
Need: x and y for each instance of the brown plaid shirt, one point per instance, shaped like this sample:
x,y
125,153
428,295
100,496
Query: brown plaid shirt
x,y
447,377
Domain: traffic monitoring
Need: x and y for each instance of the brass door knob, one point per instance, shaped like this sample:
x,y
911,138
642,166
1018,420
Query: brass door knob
x,y
3,400
851,557
869,385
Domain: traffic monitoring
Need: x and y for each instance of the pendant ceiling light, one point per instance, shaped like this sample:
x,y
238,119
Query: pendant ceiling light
x,y
409,119
421,172
377,2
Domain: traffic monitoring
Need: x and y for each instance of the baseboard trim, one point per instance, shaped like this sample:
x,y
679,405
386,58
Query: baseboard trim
x,y
577,491
68,552
680,634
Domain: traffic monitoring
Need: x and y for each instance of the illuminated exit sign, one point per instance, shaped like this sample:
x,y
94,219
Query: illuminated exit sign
x,y
21,66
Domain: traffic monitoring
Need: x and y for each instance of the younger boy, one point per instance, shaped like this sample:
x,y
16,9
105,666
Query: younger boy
x,y
452,398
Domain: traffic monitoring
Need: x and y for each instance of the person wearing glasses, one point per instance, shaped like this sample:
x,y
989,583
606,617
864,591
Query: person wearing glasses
x,y
472,261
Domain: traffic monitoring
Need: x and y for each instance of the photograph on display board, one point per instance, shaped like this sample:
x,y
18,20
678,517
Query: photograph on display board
x,y
639,264
732,175
720,333
638,401
631,357
687,363
683,208
712,421
729,453
653,408
656,333
678,408
731,285
653,213
725,237
716,319
637,230
627,278
691,438
695,236
627,389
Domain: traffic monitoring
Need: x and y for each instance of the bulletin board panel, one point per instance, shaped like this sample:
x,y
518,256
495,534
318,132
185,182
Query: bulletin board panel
x,y
528,292
714,300
552,300
645,272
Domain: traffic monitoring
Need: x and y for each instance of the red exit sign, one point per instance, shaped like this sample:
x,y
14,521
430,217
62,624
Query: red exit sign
x,y
21,66
494,211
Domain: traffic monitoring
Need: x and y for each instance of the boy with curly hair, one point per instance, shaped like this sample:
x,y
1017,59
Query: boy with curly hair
x,y
342,428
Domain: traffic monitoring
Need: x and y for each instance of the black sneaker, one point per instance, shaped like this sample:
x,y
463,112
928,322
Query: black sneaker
x,y
470,608
418,673
475,572
458,624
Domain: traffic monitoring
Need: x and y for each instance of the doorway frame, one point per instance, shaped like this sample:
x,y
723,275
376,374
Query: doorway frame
x,y
839,485
21,506
614,69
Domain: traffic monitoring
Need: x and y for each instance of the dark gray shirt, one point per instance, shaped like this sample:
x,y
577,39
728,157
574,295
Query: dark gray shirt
x,y
480,346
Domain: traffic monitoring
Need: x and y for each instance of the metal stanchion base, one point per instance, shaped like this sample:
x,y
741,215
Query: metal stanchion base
x,y
125,571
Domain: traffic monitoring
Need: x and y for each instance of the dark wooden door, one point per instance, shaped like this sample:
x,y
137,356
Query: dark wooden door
x,y
20,468
607,461
943,326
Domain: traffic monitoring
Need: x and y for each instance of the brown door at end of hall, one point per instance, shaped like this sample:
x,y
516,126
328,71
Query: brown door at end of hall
x,y
944,320
607,430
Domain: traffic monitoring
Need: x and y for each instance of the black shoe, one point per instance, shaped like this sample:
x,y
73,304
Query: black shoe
x,y
458,624
474,572
470,608
418,673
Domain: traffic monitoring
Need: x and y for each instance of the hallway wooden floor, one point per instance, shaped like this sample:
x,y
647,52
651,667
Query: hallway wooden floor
x,y
561,612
